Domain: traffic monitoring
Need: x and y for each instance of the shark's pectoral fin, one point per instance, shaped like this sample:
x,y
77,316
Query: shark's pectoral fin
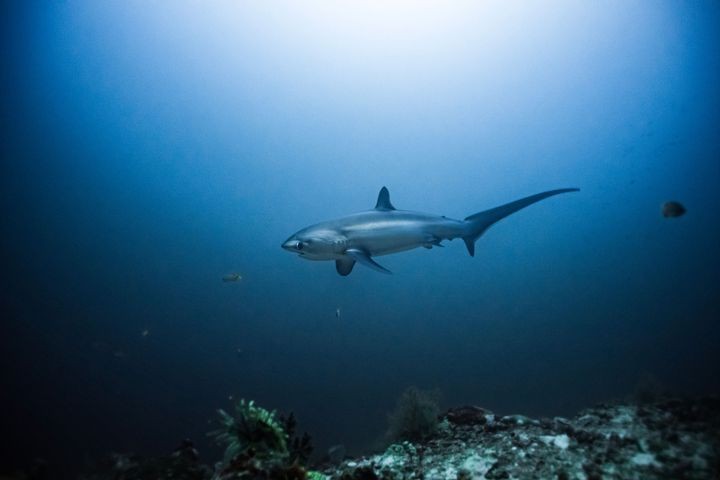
x,y
362,257
344,266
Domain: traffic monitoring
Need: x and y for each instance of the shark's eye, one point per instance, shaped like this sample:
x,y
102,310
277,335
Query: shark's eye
x,y
299,246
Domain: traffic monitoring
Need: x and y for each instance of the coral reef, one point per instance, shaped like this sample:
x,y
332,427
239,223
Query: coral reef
x,y
670,438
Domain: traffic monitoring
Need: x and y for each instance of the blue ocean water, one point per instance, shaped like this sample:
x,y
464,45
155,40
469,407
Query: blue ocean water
x,y
148,149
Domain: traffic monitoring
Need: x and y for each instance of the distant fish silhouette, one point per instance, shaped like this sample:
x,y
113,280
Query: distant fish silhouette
x,y
337,313
231,277
673,209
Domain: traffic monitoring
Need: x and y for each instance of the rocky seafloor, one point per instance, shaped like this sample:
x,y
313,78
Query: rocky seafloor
x,y
668,439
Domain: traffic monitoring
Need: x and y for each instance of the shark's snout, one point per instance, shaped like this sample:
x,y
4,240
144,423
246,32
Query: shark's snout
x,y
292,245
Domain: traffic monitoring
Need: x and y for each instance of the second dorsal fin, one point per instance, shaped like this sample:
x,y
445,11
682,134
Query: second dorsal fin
x,y
383,201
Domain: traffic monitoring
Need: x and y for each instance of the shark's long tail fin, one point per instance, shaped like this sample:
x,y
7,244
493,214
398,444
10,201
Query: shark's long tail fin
x,y
478,223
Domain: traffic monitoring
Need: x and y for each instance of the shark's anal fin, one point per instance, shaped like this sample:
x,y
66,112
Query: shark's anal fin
x,y
383,201
362,257
344,266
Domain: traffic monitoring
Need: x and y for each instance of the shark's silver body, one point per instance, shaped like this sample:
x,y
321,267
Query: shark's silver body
x,y
385,230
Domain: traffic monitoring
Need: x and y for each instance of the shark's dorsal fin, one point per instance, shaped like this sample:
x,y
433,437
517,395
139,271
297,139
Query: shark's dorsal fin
x,y
383,201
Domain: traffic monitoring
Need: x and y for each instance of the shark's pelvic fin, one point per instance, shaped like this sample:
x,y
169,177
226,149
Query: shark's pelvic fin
x,y
383,201
478,223
362,257
433,241
344,266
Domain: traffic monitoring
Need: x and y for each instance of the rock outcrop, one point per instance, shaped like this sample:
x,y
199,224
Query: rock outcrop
x,y
667,439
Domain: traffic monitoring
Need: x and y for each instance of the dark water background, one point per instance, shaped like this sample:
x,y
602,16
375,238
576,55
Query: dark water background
x,y
149,149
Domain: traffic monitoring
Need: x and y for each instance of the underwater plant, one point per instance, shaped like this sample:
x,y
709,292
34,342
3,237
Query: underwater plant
x,y
253,431
299,448
261,445
415,416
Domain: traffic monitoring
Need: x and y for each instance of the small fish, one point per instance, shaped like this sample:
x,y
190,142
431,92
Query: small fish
x,y
118,354
145,333
231,277
337,313
239,352
673,209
